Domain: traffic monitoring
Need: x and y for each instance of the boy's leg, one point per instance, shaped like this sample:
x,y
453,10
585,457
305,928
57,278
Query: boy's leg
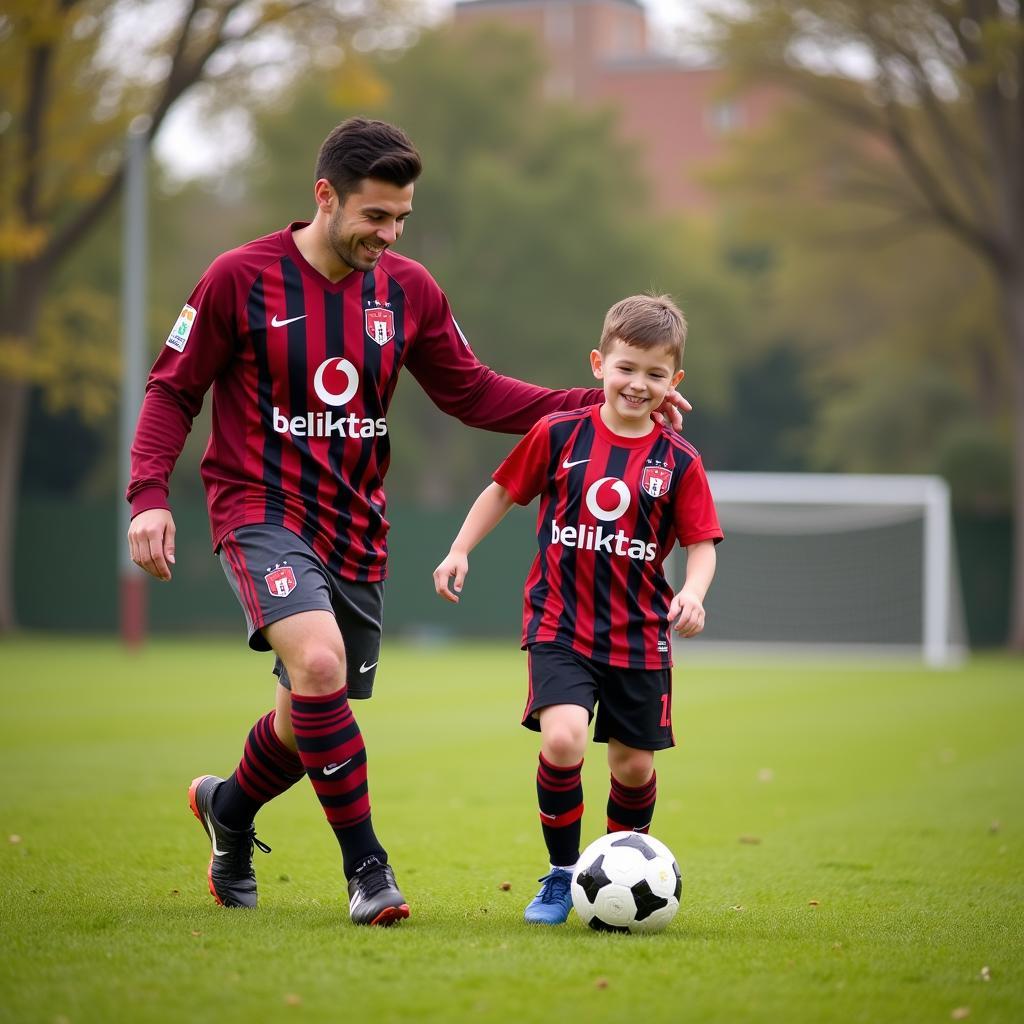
x,y
634,788
559,707
330,747
563,730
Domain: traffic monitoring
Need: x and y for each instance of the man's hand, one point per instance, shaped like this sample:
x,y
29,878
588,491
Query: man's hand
x,y
689,610
670,412
151,541
457,565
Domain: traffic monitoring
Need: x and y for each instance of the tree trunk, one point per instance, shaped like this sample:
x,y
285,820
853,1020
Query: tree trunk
x,y
13,413
19,317
1013,305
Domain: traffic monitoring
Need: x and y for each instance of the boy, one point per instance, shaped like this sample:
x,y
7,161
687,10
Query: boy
x,y
617,491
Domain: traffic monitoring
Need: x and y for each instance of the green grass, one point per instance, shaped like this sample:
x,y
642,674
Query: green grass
x,y
886,804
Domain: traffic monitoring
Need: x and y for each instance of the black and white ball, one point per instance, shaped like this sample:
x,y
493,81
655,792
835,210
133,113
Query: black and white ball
x,y
626,882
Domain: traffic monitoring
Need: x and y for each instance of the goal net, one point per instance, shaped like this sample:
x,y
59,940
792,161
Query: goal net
x,y
835,564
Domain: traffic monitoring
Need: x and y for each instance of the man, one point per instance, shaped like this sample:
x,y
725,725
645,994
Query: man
x,y
302,335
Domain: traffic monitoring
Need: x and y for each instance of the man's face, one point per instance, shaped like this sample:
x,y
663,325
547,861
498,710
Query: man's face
x,y
369,220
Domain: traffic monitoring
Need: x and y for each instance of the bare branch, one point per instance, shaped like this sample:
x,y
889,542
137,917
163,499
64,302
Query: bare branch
x,y
185,72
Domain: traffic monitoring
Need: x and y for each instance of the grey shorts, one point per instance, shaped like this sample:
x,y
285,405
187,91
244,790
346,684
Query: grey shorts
x,y
275,574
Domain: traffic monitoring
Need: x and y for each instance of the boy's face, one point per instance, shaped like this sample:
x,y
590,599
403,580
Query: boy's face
x,y
635,379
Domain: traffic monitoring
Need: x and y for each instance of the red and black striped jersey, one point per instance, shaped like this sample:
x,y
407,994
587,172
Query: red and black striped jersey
x,y
303,370
611,509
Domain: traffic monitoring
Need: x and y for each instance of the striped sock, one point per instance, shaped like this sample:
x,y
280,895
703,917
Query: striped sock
x,y
332,752
266,770
631,808
560,795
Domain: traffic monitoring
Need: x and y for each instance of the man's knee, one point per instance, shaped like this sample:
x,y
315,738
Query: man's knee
x,y
316,669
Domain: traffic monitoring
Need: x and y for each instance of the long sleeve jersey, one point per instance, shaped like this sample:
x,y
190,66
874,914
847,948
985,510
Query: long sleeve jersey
x,y
302,371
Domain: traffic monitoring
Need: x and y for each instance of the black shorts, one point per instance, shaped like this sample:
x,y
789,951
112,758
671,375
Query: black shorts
x,y
634,706
274,573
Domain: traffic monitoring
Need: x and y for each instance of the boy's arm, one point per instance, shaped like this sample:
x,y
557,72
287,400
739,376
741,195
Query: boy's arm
x,y
488,510
687,606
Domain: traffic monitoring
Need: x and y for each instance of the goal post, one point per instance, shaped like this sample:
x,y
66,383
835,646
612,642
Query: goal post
x,y
834,563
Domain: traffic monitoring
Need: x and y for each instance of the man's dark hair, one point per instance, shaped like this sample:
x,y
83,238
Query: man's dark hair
x,y
360,148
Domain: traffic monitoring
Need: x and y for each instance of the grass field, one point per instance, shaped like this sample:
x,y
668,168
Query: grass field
x,y
851,841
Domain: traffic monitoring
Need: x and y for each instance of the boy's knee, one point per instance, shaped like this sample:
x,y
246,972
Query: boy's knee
x,y
633,768
565,745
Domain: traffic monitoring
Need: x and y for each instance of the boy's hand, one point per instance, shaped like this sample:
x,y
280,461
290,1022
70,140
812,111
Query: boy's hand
x,y
457,565
688,609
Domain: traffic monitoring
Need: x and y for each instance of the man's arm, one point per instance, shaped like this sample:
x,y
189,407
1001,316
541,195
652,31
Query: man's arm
x,y
199,345
460,385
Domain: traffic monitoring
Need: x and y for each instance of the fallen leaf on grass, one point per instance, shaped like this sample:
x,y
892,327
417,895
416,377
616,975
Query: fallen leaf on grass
x,y
765,775
813,903
505,886
961,1013
196,933
14,839
737,907
600,983
986,974
292,999
751,840
994,826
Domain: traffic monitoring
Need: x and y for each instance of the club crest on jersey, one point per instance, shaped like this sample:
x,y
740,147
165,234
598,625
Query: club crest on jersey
x,y
655,480
380,324
281,580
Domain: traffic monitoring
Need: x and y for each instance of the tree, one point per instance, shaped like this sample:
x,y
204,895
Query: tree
x,y
934,89
73,75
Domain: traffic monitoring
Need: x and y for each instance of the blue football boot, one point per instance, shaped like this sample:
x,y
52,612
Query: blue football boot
x,y
554,901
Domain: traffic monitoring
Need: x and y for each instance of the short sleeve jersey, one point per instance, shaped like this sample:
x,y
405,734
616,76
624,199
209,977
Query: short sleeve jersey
x,y
303,370
611,509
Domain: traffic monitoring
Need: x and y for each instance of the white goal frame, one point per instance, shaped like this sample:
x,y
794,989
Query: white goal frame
x,y
930,493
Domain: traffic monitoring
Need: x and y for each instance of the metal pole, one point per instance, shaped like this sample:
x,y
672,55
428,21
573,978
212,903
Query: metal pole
x,y
132,580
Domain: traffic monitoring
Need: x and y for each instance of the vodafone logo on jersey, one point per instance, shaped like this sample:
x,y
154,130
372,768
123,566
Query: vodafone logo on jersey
x,y
606,499
335,383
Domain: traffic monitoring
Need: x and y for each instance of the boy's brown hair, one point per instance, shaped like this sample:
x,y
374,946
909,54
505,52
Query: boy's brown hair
x,y
646,321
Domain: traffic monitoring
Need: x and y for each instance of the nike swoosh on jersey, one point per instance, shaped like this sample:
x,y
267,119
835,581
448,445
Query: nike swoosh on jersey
x,y
284,323
568,465
332,768
366,668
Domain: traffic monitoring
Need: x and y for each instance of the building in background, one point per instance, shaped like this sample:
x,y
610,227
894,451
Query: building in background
x,y
599,52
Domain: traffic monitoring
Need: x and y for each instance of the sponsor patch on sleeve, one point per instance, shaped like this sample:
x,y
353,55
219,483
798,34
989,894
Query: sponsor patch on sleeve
x,y
179,335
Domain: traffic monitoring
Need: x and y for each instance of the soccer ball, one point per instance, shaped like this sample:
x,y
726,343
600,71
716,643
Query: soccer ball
x,y
626,882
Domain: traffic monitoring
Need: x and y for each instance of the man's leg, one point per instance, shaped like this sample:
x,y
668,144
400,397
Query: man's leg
x,y
269,766
330,747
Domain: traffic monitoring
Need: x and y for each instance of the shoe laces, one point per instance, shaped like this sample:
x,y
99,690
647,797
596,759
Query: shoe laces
x,y
239,850
372,879
555,887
